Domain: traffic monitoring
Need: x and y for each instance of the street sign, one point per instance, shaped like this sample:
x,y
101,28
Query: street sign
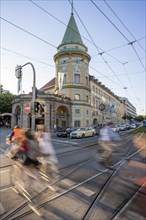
x,y
27,108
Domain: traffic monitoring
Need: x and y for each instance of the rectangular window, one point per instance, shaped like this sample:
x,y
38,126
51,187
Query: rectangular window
x,y
64,79
77,124
87,123
87,98
77,111
77,78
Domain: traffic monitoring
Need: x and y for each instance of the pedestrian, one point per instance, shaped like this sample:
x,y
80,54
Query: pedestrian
x,y
107,141
47,150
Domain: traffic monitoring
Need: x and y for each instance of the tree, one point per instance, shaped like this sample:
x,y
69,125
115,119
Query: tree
x,y
6,103
139,118
124,116
1,88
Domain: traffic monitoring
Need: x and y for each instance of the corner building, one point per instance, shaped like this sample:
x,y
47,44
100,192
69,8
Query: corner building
x,y
73,98
85,92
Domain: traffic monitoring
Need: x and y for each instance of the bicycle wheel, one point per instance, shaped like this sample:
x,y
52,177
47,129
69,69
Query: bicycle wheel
x,y
17,182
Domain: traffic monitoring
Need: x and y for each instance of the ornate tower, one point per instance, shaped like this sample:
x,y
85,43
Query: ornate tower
x,y
72,60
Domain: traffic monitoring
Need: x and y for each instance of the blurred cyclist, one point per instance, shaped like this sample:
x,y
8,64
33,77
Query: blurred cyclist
x,y
107,140
16,133
47,150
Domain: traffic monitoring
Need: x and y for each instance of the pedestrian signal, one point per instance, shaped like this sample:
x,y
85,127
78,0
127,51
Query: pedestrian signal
x,y
36,106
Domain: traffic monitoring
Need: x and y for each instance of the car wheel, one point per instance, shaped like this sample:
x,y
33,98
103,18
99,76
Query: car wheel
x,y
83,135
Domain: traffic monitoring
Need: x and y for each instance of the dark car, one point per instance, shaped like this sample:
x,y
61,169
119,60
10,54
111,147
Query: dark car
x,y
62,132
65,132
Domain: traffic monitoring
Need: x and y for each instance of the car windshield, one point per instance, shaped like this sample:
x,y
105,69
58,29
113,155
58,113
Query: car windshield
x,y
81,129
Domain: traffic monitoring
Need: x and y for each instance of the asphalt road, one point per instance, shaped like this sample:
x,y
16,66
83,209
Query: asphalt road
x,y
81,182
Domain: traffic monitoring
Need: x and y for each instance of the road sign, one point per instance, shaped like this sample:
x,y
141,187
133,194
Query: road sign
x,y
27,108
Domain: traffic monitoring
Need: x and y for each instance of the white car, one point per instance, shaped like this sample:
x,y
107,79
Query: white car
x,y
115,128
83,132
133,126
122,128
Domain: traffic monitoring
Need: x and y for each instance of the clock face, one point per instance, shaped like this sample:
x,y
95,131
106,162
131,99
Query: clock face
x,y
101,107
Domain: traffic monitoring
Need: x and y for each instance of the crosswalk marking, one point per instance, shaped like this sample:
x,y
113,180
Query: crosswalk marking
x,y
66,142
81,189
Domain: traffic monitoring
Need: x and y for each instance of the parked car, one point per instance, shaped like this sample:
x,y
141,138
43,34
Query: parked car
x,y
62,132
122,127
116,128
133,126
83,132
65,132
69,130
97,128
127,126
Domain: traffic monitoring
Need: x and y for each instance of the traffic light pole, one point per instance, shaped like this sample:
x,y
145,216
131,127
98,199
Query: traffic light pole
x,y
18,68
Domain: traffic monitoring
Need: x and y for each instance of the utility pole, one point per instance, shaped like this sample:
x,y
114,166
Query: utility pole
x,y
18,74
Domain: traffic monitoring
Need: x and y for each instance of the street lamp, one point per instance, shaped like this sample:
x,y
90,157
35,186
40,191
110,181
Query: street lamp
x,y
18,74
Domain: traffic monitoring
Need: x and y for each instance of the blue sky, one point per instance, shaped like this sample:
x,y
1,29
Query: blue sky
x,y
31,33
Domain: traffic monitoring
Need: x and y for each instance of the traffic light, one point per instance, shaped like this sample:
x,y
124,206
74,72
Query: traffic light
x,y
36,106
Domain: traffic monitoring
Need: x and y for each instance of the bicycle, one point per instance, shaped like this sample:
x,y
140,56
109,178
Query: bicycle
x,y
31,183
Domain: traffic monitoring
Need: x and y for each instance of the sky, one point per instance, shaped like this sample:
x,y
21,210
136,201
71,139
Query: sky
x,y
113,31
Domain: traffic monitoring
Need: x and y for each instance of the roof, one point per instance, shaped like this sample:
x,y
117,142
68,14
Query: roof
x,y
49,84
72,34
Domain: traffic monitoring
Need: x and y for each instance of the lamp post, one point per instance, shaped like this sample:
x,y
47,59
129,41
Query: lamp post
x,y
18,74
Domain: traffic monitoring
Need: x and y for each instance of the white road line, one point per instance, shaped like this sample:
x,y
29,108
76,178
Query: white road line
x,y
66,142
68,182
82,189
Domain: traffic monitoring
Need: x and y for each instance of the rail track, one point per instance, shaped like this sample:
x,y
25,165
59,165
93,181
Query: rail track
x,y
14,214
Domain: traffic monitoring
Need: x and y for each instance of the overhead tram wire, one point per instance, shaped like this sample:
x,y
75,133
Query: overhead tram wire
x,y
115,48
73,30
129,43
97,48
50,45
28,32
27,57
65,24
124,25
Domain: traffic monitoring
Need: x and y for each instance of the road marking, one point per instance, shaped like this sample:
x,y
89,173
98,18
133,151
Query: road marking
x,y
86,191
66,142
82,189
68,182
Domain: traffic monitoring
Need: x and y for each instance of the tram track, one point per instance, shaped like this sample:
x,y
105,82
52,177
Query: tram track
x,y
112,173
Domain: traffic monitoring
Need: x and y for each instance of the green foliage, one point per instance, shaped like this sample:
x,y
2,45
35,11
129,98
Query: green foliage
x,y
124,116
6,102
140,118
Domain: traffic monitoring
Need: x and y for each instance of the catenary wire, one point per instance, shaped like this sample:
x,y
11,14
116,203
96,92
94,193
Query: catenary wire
x,y
124,25
129,43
